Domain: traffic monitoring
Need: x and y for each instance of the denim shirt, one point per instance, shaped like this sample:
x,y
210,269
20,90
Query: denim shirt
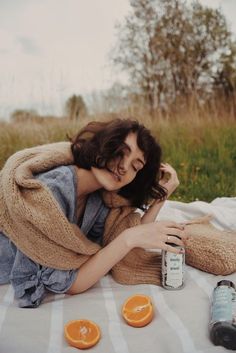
x,y
31,280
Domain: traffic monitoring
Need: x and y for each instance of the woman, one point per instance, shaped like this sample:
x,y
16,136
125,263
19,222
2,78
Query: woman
x,y
68,212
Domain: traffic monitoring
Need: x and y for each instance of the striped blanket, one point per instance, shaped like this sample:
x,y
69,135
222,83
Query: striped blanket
x,y
181,317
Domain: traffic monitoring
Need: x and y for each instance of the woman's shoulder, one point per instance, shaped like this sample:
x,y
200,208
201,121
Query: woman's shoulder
x,y
60,173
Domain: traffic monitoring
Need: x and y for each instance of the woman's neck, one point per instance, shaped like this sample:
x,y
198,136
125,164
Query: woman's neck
x,y
87,183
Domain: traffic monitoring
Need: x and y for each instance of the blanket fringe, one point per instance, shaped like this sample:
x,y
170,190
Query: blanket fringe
x,y
201,220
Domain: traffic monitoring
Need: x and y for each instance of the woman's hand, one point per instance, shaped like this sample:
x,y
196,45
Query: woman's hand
x,y
157,235
170,182
170,179
153,235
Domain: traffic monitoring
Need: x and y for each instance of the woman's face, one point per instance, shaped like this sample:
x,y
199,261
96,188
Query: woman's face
x,y
122,171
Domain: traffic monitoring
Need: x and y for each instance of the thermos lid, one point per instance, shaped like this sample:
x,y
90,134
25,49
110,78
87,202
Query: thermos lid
x,y
227,283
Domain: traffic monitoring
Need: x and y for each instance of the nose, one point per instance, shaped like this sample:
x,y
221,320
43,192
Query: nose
x,y
123,167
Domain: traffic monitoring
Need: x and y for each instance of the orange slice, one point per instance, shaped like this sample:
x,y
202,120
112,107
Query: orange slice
x,y
138,310
82,333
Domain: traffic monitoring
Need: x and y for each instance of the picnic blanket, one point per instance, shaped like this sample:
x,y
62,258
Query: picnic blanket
x,y
181,317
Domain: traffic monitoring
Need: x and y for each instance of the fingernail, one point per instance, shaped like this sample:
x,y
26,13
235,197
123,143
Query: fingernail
x,y
182,251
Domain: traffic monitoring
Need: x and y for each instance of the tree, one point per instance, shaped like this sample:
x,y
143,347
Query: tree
x,y
171,49
75,107
115,98
225,75
21,115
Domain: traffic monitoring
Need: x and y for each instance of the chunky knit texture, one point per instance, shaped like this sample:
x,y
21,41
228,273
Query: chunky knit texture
x,y
210,249
33,220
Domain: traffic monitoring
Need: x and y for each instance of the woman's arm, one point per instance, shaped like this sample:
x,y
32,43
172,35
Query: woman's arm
x,y
147,236
151,214
170,182
100,264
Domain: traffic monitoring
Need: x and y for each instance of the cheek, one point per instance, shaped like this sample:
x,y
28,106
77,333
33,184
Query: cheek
x,y
130,177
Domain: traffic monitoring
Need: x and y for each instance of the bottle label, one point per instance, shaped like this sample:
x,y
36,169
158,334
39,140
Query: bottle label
x,y
174,270
222,305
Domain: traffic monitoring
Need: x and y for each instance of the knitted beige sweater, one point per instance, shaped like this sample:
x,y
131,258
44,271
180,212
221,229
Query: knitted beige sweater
x,y
33,220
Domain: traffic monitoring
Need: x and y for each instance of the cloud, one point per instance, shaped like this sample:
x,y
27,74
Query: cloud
x,y
28,45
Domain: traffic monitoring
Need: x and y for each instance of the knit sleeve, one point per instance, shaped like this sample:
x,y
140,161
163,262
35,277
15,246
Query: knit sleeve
x,y
62,184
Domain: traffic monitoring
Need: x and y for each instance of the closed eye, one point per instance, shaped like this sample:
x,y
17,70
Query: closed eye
x,y
137,168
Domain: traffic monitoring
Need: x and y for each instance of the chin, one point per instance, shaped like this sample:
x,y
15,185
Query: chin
x,y
110,188
106,179
110,184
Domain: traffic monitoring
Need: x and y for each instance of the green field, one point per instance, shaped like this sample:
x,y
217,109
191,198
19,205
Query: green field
x,y
204,154
205,159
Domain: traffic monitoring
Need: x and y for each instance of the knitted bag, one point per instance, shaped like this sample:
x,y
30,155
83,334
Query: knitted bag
x,y
210,249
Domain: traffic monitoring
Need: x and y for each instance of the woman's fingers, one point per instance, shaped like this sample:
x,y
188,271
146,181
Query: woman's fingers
x,y
177,233
167,167
174,240
160,235
174,229
173,249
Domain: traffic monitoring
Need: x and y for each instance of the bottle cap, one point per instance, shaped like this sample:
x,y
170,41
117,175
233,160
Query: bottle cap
x,y
226,282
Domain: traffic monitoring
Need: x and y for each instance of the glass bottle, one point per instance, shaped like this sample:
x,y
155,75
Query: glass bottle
x,y
173,268
223,315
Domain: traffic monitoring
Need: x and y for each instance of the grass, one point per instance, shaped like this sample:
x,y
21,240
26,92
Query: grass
x,y
204,157
203,152
18,135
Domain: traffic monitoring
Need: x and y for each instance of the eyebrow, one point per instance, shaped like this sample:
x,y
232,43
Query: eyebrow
x,y
130,149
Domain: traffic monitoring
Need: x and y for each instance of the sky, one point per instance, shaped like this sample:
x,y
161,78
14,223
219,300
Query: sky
x,y
51,49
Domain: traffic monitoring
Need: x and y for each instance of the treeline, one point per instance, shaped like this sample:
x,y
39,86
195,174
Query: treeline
x,y
180,59
176,53
75,109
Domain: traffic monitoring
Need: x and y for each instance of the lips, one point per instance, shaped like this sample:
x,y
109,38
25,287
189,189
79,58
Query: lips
x,y
116,176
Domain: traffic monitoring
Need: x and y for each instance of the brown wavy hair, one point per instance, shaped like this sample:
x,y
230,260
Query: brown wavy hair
x,y
98,143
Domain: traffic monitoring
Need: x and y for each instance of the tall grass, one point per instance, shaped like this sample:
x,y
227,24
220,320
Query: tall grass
x,y
204,156
202,149
23,134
